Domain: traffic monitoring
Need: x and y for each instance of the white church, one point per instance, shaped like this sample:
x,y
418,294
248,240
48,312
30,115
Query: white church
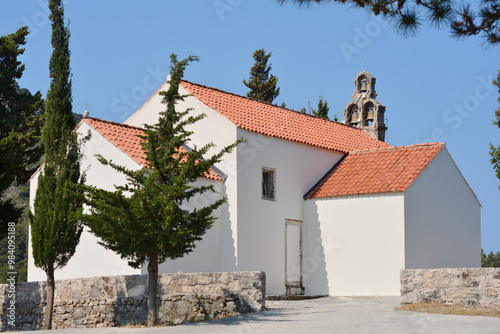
x,y
322,207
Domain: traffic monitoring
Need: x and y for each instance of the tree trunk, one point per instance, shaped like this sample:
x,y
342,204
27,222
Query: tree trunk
x,y
152,289
47,322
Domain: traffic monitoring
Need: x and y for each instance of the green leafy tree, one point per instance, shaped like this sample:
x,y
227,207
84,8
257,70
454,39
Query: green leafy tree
x,y
408,16
322,110
262,84
55,229
143,220
495,151
20,124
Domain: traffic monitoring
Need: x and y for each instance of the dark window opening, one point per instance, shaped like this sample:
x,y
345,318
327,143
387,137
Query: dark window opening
x,y
268,184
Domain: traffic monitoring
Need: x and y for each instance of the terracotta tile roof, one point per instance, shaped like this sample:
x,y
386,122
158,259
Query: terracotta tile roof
x,y
274,121
125,137
375,171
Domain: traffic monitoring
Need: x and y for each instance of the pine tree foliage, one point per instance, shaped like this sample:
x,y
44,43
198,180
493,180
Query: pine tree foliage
x,y
20,123
490,260
495,151
407,16
262,84
322,110
55,228
143,221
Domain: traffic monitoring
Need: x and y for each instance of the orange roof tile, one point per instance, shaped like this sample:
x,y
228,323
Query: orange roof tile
x,y
125,137
375,171
274,121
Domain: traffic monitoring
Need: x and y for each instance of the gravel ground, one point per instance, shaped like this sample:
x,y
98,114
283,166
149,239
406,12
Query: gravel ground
x,y
325,315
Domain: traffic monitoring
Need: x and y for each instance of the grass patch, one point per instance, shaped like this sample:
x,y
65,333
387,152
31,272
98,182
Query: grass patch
x,y
452,309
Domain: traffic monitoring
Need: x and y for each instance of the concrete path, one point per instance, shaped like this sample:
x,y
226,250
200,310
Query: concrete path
x,y
325,315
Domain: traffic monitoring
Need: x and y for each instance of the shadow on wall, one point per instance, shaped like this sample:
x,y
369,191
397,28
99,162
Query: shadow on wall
x,y
206,257
229,261
316,246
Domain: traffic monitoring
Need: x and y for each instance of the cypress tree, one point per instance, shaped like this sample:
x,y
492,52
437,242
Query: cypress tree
x,y
55,229
20,123
322,110
262,85
143,221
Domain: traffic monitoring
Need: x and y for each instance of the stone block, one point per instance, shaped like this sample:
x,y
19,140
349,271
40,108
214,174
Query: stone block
x,y
182,307
179,319
137,291
78,313
233,286
224,278
167,305
204,279
141,314
232,307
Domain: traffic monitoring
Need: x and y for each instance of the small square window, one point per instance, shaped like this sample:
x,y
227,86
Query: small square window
x,y
268,182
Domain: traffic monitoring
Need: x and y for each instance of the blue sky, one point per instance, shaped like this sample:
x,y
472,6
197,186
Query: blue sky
x,y
435,88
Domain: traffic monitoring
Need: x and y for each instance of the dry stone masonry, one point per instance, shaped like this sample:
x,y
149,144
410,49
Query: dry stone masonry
x,y
466,286
122,300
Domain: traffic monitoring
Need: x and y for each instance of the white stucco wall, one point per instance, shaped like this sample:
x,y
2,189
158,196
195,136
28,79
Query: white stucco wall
x,y
207,255
261,223
149,112
84,262
354,245
213,128
442,219
92,259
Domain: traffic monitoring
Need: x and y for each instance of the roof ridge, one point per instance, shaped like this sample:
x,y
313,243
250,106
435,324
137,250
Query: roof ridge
x,y
269,104
394,148
115,123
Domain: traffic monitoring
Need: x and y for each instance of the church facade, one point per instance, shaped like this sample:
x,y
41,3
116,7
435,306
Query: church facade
x,y
321,207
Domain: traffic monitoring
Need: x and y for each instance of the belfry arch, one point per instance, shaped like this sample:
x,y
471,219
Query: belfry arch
x,y
365,111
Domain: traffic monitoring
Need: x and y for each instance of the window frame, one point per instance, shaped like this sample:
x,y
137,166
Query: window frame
x,y
271,171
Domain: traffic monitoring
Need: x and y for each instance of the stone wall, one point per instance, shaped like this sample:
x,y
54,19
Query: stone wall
x,y
122,300
466,286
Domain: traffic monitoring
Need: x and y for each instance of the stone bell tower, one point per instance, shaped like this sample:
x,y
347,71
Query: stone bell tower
x,y
364,111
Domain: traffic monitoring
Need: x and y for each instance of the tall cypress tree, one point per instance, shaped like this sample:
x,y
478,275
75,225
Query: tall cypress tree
x,y
20,123
55,229
262,84
143,221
